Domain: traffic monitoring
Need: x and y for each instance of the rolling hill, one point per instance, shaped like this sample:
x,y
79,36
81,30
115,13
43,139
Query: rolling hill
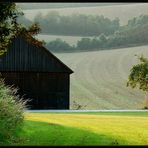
x,y
99,78
124,12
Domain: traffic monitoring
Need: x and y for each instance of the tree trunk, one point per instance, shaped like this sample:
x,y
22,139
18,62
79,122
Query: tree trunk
x,y
146,101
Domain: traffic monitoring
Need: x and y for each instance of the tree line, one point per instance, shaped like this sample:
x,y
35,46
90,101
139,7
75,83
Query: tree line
x,y
133,34
107,34
75,24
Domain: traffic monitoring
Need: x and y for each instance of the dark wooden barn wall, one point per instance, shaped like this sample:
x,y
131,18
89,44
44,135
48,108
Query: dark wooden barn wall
x,y
47,90
23,56
37,73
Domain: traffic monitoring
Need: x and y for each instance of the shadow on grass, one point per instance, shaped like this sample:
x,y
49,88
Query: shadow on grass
x,y
41,133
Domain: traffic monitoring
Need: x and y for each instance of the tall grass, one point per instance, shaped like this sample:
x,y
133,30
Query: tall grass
x,y
11,112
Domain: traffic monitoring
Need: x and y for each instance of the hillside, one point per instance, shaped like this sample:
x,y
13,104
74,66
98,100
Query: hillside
x,y
99,78
124,12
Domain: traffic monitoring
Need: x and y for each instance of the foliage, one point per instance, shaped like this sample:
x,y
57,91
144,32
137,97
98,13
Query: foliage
x,y
124,37
8,23
11,112
120,39
139,75
84,25
11,106
58,46
137,21
108,34
84,44
10,26
76,24
30,32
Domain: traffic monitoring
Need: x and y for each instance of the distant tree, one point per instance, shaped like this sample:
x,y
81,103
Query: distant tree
x,y
59,45
138,21
103,40
95,43
76,24
84,44
132,22
139,76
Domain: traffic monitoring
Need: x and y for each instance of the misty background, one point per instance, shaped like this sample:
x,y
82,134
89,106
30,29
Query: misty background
x,y
98,41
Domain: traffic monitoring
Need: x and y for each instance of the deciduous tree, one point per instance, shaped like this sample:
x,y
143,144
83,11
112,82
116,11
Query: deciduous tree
x,y
8,23
9,26
139,76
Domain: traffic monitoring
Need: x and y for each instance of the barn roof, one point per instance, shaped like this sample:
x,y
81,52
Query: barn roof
x,y
23,55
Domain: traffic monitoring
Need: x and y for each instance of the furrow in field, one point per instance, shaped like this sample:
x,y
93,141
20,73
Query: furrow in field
x,y
80,78
107,83
85,80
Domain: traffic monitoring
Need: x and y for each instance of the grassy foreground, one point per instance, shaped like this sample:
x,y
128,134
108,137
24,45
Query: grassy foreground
x,y
84,129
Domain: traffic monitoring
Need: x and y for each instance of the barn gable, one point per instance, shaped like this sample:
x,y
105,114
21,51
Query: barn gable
x,y
23,56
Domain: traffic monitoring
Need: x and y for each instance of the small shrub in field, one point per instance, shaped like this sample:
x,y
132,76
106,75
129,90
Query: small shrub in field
x,y
11,112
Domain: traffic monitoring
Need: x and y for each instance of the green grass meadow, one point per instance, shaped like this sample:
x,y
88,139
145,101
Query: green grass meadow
x,y
79,129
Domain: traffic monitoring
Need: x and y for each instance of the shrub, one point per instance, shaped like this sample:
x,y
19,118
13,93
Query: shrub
x,y
11,112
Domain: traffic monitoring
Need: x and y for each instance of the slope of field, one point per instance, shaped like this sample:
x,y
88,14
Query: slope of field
x,y
99,78
72,40
124,12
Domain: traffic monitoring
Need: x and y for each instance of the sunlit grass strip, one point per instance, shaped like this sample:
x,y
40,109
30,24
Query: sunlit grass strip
x,y
117,113
124,129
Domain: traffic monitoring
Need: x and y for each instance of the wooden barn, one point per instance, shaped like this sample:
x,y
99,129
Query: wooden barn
x,y
37,73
